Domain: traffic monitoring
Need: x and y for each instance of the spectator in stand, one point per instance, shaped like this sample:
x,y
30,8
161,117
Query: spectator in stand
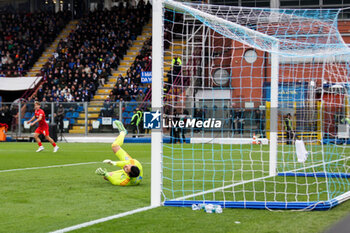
x,y
107,110
148,89
140,97
30,105
118,92
45,106
126,95
134,92
120,79
6,115
3,114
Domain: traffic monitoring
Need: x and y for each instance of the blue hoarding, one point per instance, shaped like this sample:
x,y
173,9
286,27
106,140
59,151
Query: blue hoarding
x,y
146,77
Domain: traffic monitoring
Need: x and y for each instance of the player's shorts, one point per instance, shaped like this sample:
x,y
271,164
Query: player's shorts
x,y
42,130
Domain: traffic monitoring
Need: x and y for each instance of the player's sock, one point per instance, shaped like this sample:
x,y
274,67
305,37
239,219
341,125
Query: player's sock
x,y
40,144
120,139
54,144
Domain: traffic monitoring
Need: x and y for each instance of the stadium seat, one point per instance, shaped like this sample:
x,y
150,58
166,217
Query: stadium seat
x,y
75,115
133,105
69,115
80,109
96,124
125,114
27,115
128,108
127,121
71,121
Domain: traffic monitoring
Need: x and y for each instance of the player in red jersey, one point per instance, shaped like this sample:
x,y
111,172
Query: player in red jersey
x,y
42,129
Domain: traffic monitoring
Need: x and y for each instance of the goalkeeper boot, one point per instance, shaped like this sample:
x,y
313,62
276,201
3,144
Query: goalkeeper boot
x,y
120,127
101,172
41,148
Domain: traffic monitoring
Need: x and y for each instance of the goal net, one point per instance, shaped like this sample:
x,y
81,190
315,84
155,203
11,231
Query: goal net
x,y
255,107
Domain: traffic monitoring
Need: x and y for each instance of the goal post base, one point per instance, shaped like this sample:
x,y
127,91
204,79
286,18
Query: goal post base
x,y
320,205
315,174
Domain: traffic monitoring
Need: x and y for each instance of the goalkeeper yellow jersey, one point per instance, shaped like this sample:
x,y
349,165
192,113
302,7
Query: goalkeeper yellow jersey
x,y
125,179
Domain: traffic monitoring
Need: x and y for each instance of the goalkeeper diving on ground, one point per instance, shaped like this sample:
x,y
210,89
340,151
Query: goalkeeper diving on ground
x,y
131,173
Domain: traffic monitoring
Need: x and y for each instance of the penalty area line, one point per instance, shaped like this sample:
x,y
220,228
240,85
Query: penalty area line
x,y
101,220
53,166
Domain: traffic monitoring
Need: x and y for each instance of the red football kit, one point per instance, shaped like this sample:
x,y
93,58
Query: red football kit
x,y
43,126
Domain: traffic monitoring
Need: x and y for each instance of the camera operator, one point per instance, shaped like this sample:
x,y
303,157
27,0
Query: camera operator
x,y
60,116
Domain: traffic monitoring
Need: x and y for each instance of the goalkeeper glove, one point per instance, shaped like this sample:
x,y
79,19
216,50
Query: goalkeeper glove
x,y
101,172
108,161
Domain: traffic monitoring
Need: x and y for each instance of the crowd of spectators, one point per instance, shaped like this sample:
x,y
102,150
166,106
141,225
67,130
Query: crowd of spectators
x,y
127,88
23,38
85,60
130,88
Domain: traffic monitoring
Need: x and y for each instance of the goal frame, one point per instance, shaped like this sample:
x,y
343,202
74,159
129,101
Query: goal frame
x,y
156,135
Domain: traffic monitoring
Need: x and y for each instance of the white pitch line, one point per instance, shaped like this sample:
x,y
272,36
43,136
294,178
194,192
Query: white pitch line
x,y
53,166
77,164
179,163
86,224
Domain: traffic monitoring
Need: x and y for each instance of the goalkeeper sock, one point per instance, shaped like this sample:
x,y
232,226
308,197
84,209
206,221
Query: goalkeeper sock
x,y
119,140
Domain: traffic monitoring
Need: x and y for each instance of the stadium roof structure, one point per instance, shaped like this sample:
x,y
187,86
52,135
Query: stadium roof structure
x,y
18,84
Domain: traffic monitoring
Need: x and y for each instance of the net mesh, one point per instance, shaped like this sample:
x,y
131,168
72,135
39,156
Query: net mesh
x,y
218,68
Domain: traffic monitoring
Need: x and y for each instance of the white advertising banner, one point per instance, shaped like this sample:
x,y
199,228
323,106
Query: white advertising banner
x,y
18,83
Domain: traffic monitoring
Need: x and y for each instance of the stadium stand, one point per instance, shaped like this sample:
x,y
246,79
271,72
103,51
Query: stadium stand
x,y
23,38
130,88
99,52
82,58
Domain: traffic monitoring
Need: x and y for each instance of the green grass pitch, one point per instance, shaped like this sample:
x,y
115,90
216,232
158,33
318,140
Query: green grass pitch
x,y
52,197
